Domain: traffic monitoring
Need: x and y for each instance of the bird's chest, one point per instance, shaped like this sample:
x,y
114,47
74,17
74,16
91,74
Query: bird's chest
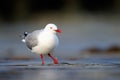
x,y
48,40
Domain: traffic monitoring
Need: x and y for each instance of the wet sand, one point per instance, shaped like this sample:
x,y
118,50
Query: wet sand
x,y
81,69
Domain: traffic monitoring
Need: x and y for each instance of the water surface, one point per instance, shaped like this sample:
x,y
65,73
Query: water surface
x,y
84,69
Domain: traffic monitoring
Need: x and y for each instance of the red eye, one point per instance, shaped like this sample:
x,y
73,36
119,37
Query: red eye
x,y
50,27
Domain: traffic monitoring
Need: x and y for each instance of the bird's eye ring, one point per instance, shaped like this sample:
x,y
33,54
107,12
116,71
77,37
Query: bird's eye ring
x,y
50,27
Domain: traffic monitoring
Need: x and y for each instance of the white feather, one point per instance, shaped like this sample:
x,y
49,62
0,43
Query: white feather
x,y
47,40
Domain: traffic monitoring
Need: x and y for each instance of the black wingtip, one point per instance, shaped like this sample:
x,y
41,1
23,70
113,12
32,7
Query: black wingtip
x,y
25,34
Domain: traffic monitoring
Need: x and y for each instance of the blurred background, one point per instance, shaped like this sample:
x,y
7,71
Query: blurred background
x,y
88,26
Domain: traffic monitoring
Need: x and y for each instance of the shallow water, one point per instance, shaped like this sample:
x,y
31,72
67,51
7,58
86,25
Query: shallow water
x,y
84,69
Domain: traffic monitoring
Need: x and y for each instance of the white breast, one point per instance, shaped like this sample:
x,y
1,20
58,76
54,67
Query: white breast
x,y
46,43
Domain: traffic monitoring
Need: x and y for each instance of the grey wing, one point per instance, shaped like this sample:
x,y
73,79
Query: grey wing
x,y
31,39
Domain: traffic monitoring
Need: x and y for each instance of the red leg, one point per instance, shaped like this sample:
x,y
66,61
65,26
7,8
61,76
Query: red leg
x,y
41,57
55,61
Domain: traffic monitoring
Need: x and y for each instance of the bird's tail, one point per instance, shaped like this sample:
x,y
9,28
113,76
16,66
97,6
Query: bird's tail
x,y
23,40
24,36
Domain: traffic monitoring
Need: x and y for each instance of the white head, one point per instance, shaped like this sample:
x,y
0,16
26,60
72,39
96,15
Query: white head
x,y
52,28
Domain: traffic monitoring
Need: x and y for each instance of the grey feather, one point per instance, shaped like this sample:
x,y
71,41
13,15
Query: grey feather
x,y
31,39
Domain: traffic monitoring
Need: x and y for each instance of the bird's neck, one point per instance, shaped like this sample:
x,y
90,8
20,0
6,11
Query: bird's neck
x,y
49,32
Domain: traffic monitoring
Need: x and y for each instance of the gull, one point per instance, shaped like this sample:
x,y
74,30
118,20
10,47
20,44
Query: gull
x,y
43,41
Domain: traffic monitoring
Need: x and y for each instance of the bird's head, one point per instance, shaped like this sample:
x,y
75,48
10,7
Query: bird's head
x,y
52,28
